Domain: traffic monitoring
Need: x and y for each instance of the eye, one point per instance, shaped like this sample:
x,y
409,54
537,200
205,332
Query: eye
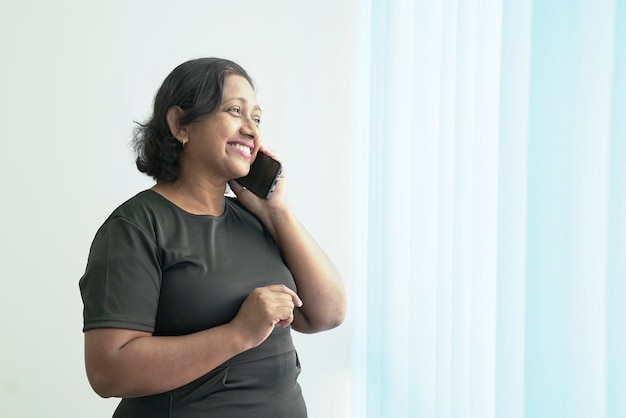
x,y
256,120
234,109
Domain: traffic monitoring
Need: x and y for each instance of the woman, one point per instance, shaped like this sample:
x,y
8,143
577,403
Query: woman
x,y
189,295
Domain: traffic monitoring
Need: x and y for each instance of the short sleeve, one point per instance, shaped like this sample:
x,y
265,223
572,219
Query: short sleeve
x,y
122,280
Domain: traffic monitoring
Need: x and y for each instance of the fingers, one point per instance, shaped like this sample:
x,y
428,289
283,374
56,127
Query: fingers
x,y
263,309
276,304
249,199
281,288
235,187
286,301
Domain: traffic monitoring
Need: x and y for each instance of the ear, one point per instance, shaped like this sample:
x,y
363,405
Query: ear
x,y
173,116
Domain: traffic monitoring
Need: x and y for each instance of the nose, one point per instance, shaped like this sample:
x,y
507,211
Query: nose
x,y
249,128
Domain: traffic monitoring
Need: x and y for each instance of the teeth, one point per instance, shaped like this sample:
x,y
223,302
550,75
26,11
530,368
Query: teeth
x,y
243,148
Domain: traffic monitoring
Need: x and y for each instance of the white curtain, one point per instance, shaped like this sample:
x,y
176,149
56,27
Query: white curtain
x,y
489,183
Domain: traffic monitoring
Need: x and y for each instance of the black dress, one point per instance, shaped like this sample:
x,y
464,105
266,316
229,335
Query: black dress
x,y
154,267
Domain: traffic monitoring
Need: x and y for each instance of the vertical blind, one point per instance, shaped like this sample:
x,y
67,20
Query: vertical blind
x,y
489,184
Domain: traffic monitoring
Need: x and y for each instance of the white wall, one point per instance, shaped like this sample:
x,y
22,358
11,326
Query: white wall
x,y
74,76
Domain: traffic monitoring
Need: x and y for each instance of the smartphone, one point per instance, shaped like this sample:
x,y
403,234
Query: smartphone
x,y
263,175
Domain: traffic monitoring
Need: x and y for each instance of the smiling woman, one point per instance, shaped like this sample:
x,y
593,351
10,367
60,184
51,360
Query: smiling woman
x,y
194,91
189,296
219,146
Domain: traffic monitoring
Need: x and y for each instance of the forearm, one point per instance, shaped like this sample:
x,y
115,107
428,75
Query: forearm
x,y
146,365
319,284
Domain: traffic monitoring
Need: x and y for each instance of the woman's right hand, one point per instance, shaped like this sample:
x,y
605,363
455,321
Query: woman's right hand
x,y
263,309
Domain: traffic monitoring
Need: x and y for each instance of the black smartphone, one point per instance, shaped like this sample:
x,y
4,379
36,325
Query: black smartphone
x,y
263,175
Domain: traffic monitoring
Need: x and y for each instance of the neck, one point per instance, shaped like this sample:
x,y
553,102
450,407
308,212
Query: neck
x,y
199,198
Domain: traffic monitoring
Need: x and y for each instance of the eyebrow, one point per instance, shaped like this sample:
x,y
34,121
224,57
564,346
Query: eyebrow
x,y
243,99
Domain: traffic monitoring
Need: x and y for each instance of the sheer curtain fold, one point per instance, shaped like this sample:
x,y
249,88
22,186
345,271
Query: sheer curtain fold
x,y
616,261
487,192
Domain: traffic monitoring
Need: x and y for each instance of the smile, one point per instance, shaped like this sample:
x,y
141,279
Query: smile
x,y
242,149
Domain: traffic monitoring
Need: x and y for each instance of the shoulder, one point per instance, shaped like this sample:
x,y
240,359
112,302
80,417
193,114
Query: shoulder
x,y
140,212
134,207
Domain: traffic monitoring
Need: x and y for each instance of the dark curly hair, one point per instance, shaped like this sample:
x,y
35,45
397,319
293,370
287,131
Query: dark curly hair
x,y
196,87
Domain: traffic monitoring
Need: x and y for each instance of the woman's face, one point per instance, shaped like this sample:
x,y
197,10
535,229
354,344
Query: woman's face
x,y
223,144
